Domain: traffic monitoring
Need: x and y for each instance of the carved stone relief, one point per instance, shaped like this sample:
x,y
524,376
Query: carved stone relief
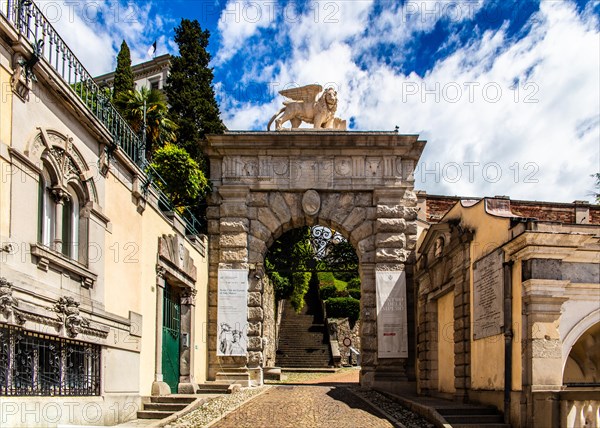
x,y
321,172
311,202
68,313
7,301
172,250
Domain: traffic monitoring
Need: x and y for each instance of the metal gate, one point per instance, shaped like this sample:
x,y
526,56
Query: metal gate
x,y
170,338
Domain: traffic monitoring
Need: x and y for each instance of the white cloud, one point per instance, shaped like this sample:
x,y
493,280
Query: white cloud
x,y
523,108
240,20
94,30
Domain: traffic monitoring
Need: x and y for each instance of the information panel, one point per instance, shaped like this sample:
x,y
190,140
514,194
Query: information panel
x,y
488,296
392,339
232,312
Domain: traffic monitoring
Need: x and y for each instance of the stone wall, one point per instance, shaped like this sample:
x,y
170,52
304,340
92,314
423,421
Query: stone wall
x,y
269,323
437,275
344,329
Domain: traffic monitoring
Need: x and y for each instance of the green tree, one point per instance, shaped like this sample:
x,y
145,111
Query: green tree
x,y
596,192
341,260
189,89
185,182
123,74
160,130
289,262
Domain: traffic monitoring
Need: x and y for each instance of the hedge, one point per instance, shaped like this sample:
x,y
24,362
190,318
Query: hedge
x,y
327,292
354,292
343,307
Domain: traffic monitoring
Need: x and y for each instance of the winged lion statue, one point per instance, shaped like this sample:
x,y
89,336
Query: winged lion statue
x,y
305,105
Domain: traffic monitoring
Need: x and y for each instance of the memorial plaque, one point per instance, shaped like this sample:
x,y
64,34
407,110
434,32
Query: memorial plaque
x,y
232,312
392,339
488,296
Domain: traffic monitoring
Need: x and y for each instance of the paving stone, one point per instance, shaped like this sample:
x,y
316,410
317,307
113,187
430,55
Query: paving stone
x,y
305,406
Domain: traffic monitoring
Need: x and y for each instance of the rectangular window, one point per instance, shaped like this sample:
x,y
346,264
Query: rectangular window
x,y
37,364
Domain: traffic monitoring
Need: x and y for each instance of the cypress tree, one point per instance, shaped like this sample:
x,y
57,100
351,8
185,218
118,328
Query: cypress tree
x,y
123,75
189,90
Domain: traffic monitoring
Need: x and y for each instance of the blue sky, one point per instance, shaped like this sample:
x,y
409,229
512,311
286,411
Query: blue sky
x,y
506,94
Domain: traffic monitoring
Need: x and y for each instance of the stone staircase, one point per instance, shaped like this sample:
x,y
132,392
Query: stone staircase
x,y
472,416
303,338
162,407
214,388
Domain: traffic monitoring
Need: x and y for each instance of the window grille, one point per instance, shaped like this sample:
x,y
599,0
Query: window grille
x,y
37,364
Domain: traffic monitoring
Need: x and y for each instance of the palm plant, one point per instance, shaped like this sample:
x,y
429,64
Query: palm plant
x,y
159,129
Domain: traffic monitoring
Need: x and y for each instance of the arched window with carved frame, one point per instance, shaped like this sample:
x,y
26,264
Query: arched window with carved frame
x,y
66,196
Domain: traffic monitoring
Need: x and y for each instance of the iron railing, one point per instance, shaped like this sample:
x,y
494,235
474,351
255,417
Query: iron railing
x,y
192,224
30,22
37,364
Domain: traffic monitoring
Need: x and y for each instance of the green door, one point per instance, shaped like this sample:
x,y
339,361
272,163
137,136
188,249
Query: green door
x,y
170,338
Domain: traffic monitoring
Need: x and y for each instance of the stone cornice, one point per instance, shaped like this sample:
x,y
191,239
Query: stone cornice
x,y
379,162
274,143
47,257
562,246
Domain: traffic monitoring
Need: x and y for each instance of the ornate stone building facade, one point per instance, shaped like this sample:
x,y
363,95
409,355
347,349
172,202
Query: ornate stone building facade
x,y
150,74
87,256
508,307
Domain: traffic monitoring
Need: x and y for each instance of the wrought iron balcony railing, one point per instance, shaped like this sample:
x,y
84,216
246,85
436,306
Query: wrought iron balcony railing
x,y
30,22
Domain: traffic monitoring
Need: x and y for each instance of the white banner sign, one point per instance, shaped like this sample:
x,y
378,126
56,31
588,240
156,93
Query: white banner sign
x,y
392,339
232,312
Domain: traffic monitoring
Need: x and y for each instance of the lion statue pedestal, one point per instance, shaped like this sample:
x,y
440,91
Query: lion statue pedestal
x,y
305,105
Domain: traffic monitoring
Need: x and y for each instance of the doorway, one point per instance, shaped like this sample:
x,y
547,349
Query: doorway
x,y
171,334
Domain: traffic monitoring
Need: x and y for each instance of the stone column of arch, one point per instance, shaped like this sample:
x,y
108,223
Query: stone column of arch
x,y
360,184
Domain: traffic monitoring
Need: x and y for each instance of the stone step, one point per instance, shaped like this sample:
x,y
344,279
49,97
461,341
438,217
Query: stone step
x,y
304,347
171,399
223,387
450,411
165,407
152,414
294,355
474,419
317,366
286,362
480,425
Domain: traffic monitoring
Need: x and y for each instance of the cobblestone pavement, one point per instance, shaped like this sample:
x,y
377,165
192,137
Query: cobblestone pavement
x,y
307,399
306,406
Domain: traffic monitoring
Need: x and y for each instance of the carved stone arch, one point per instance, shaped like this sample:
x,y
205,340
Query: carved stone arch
x,y
285,213
268,183
576,333
64,162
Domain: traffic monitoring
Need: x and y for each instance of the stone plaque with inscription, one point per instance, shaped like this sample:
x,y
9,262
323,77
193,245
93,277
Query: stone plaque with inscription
x,y
488,296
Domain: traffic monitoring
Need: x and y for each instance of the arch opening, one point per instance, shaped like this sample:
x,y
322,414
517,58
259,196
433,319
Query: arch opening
x,y
582,367
314,273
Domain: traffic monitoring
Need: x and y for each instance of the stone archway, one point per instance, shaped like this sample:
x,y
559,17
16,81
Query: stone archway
x,y
360,183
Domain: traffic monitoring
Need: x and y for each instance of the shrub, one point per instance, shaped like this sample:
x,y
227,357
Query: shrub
x,y
326,278
184,181
300,284
343,307
281,285
327,292
354,292
344,275
354,283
